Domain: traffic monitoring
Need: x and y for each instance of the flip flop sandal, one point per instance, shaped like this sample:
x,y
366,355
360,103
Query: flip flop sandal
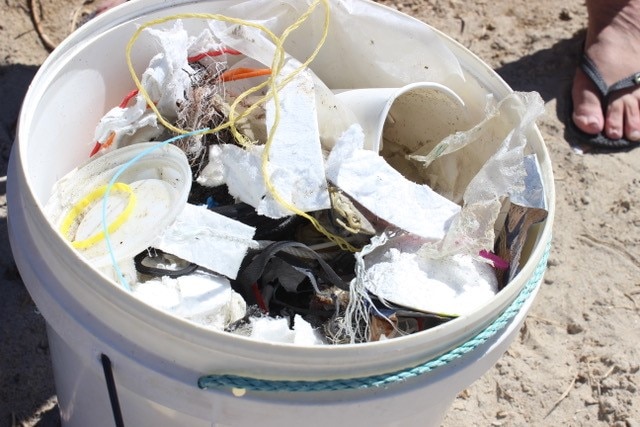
x,y
600,140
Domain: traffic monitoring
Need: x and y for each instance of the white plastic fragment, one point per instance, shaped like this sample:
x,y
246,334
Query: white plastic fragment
x,y
208,239
373,183
277,330
201,297
168,76
241,172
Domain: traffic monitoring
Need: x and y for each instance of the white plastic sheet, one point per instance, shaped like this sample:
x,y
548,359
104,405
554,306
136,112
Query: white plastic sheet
x,y
208,239
369,179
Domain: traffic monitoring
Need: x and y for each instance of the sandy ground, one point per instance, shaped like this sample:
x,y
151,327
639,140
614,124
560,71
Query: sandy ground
x,y
576,361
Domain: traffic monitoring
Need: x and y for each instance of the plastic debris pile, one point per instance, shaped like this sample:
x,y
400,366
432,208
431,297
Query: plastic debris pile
x,y
232,187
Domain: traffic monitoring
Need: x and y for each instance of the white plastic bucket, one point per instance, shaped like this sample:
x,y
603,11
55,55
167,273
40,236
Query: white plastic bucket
x,y
98,332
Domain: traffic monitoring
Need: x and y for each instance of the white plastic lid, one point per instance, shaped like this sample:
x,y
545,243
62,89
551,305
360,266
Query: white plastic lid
x,y
148,195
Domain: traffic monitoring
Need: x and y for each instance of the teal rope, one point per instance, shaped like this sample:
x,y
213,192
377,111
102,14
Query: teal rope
x,y
256,384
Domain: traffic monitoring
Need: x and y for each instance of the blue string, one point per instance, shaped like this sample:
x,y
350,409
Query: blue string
x,y
256,384
113,180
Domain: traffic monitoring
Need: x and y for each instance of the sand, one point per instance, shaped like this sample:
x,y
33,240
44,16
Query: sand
x,y
576,361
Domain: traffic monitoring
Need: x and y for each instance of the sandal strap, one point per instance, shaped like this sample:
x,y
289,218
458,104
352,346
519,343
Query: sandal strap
x,y
629,81
591,70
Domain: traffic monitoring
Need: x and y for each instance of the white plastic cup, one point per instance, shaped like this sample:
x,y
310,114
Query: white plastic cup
x,y
406,115
156,359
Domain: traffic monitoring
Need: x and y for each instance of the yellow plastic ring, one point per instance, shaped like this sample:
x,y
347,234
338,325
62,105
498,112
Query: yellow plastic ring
x,y
83,204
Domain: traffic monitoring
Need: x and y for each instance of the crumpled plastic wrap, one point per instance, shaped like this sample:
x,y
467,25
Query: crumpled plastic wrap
x,y
166,80
487,166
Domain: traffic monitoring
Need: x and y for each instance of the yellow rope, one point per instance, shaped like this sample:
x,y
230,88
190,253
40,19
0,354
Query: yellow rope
x,y
272,93
87,201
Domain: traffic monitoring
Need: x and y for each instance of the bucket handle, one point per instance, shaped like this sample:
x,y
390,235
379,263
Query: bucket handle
x,y
381,380
112,390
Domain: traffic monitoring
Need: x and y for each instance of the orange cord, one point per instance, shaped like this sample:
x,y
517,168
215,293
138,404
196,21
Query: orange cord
x,y
127,98
243,73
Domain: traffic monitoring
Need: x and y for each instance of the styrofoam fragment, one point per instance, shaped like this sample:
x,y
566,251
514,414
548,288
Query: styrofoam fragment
x,y
455,285
277,330
202,297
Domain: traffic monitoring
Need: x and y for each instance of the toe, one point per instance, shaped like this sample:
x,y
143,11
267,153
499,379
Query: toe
x,y
632,118
614,124
587,110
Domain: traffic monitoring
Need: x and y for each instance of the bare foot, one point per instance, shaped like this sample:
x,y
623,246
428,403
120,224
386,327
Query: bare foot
x,y
105,5
89,10
613,44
